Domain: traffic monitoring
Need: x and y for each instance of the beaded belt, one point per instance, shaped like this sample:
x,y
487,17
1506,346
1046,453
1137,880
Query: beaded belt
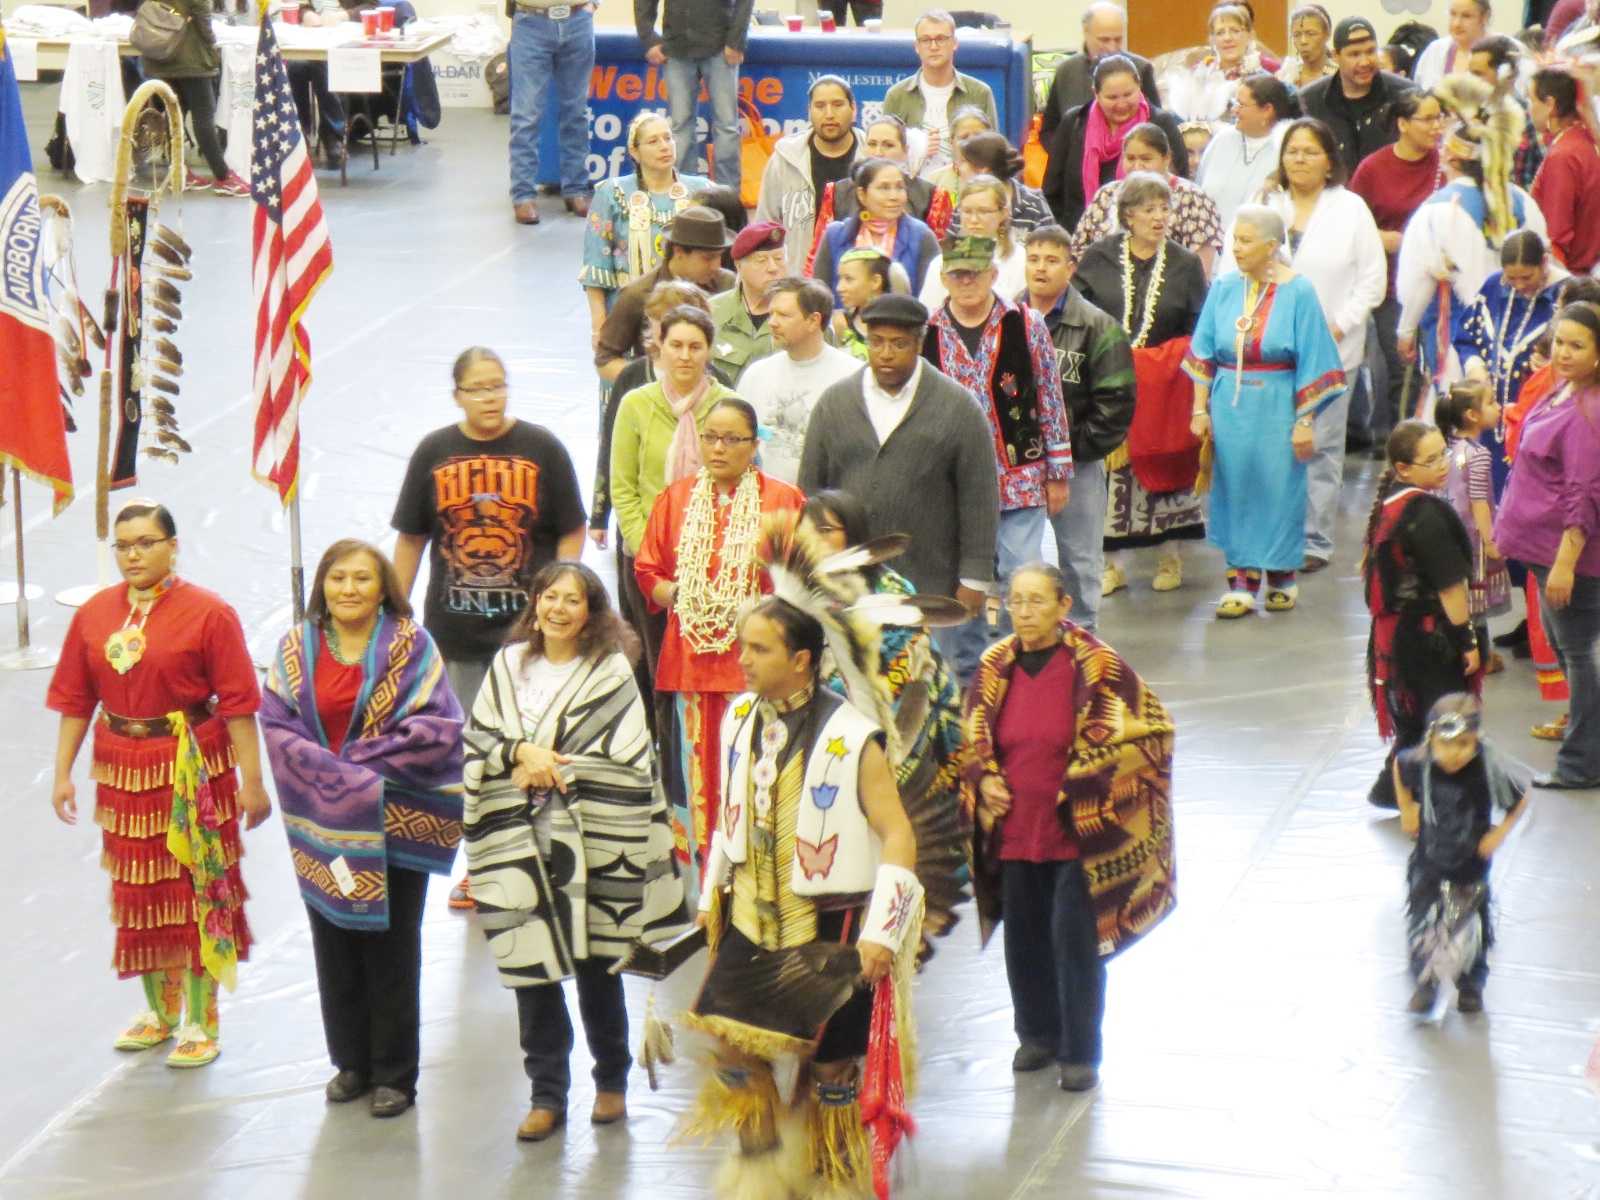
x,y
150,727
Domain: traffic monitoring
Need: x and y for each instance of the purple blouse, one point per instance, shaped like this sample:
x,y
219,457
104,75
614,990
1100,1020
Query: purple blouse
x,y
1555,484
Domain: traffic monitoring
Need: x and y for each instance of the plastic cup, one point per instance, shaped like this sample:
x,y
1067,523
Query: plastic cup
x,y
873,24
796,23
291,15
827,22
369,22
385,19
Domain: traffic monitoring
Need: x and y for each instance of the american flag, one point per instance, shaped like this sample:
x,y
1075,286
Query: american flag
x,y
291,256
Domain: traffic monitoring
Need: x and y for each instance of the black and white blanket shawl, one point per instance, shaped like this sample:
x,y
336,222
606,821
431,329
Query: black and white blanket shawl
x,y
557,878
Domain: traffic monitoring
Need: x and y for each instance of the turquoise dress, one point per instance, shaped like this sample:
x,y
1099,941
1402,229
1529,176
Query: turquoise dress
x,y
1291,370
614,253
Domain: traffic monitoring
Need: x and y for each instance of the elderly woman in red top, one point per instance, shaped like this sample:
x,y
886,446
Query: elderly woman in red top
x,y
165,662
698,561
1069,770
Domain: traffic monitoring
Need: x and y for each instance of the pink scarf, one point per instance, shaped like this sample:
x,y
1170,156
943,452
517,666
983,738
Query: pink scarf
x,y
876,234
1101,146
683,455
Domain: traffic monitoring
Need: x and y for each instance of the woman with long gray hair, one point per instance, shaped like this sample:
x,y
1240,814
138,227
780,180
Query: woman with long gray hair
x,y
1264,364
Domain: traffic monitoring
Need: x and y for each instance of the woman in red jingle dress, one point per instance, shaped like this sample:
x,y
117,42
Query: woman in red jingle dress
x,y
165,663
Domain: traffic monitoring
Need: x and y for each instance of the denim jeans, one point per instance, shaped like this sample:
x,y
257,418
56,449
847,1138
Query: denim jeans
x,y
1080,541
1575,633
1325,477
545,1030
683,101
1020,539
545,53
1053,963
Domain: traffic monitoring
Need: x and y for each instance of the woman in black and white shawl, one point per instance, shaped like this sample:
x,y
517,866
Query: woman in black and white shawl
x,y
567,835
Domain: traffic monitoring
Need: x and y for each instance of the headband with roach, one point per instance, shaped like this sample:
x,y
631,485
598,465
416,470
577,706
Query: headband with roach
x,y
1488,132
836,591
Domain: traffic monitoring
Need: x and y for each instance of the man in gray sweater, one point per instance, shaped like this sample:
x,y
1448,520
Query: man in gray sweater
x,y
915,448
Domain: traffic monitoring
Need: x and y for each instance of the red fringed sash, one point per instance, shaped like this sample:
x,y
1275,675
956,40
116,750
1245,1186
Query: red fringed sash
x,y
883,1087
1385,549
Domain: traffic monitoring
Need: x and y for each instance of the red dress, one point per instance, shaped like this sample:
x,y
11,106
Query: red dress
x,y
195,653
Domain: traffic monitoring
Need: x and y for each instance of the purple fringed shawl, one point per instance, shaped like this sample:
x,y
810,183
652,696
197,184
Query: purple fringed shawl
x,y
391,796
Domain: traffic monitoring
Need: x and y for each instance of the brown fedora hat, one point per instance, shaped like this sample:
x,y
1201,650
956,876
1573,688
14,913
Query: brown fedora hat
x,y
699,228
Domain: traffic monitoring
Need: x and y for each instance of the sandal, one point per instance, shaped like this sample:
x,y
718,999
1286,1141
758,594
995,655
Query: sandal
x,y
1112,579
1495,665
146,1032
1236,604
196,1048
1282,599
1551,731
1169,574
461,895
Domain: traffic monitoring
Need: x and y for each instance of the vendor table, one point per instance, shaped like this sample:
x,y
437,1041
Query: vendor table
x,y
396,51
778,70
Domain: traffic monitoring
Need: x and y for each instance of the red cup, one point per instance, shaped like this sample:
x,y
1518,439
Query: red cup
x,y
827,21
369,22
385,19
291,15
796,23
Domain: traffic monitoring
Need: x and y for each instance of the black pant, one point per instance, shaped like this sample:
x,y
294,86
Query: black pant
x,y
652,630
306,78
199,100
1427,668
1388,395
864,10
370,984
546,1033
1058,980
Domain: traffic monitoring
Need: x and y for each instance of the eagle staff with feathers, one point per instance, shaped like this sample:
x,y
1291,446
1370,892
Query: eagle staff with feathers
x,y
821,878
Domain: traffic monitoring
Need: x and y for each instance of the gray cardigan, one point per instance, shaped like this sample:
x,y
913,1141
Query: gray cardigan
x,y
935,478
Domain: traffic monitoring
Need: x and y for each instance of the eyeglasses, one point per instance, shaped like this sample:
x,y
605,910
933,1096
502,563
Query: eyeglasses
x,y
484,390
963,277
724,439
935,39
1433,120
1433,460
143,545
967,210
766,258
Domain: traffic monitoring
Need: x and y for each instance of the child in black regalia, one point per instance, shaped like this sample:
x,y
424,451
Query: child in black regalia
x,y
1450,787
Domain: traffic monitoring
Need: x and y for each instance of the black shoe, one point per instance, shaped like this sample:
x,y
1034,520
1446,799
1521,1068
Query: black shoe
x,y
1381,793
1422,999
1079,1077
346,1086
389,1102
1469,998
1380,452
1031,1057
1551,782
1357,440
1513,639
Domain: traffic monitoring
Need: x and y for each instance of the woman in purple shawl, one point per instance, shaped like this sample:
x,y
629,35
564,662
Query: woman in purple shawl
x,y
364,738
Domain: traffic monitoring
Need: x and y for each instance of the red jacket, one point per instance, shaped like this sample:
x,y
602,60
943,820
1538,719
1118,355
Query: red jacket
x,y
1567,191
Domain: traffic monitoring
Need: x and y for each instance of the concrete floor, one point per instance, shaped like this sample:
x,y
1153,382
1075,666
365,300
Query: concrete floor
x,y
1256,1046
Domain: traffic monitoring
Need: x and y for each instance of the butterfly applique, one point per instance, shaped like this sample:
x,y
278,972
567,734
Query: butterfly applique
x,y
816,860
733,815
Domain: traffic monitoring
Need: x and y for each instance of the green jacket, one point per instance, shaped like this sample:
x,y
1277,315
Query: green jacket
x,y
738,343
639,446
905,100
197,56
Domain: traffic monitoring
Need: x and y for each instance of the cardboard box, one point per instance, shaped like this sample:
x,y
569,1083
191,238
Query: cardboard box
x,y
460,80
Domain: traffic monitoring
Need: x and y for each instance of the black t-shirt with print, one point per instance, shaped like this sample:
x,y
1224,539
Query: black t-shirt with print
x,y
493,513
826,169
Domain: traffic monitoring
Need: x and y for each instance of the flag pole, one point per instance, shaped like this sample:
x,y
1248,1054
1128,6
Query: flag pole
x,y
25,657
297,570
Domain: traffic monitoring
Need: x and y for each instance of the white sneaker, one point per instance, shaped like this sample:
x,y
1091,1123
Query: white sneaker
x,y
1112,579
1169,574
